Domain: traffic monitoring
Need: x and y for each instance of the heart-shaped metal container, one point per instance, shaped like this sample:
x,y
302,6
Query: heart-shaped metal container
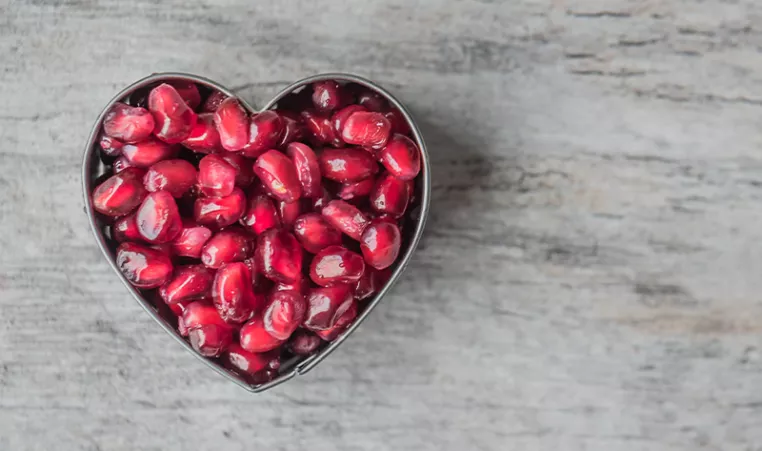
x,y
93,168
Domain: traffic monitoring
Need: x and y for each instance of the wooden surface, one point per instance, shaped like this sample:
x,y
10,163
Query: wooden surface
x,y
591,273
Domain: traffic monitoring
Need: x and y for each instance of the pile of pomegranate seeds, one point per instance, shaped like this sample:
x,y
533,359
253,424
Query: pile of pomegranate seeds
x,y
264,235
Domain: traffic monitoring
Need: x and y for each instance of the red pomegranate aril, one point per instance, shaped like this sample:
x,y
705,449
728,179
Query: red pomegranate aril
x,y
386,217
328,96
390,195
213,101
307,168
204,137
174,118
232,123
321,129
260,214
200,313
345,217
319,202
371,281
177,309
302,286
127,123
278,174
380,244
189,92
288,212
265,131
232,293
230,245
279,256
303,343
188,283
315,233
220,211
173,176
216,177
347,164
293,130
244,362
111,146
254,337
120,194
158,218
244,174
148,152
120,164
366,129
341,324
284,313
401,157
354,190
325,305
142,266
191,240
210,340
372,101
340,117
398,121
336,264
125,229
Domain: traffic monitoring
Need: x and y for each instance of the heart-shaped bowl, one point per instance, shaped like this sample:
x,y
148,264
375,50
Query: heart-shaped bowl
x,y
94,169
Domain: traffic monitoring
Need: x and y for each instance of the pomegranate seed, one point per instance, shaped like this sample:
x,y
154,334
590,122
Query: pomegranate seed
x,y
302,286
244,174
327,96
341,324
401,157
385,217
347,165
230,245
120,194
345,217
336,264
303,343
213,101
319,202
220,212
178,309
371,281
189,283
279,256
340,117
366,129
354,190
125,229
307,168
288,212
232,293
191,240
263,377
293,130
199,313
325,305
158,218
315,233
278,174
398,121
216,177
174,118
173,176
390,195
148,152
210,340
372,101
284,313
260,214
189,92
142,266
321,129
232,123
112,147
127,123
120,164
254,337
380,244
244,362
265,131
204,137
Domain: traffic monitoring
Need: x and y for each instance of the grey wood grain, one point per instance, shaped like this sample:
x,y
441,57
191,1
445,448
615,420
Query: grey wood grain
x,y
589,278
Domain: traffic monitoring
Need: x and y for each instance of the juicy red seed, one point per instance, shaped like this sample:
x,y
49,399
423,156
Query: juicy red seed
x,y
303,342
321,129
120,194
244,362
174,118
210,340
279,256
199,313
372,101
230,245
142,266
307,168
178,309
220,211
244,174
125,229
385,217
216,177
191,240
327,96
254,337
398,121
366,129
336,264
260,214
127,123
111,146
301,286
390,195
341,324
188,283
371,281
288,212
345,217
120,164
325,305
173,176
284,313
293,130
213,101
354,190
189,92
232,123
278,174
401,157
265,131
380,244
148,152
340,117
204,137
347,165
319,202
315,233
232,293
158,218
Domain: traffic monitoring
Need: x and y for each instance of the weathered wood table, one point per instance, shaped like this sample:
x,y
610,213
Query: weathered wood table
x,y
590,277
